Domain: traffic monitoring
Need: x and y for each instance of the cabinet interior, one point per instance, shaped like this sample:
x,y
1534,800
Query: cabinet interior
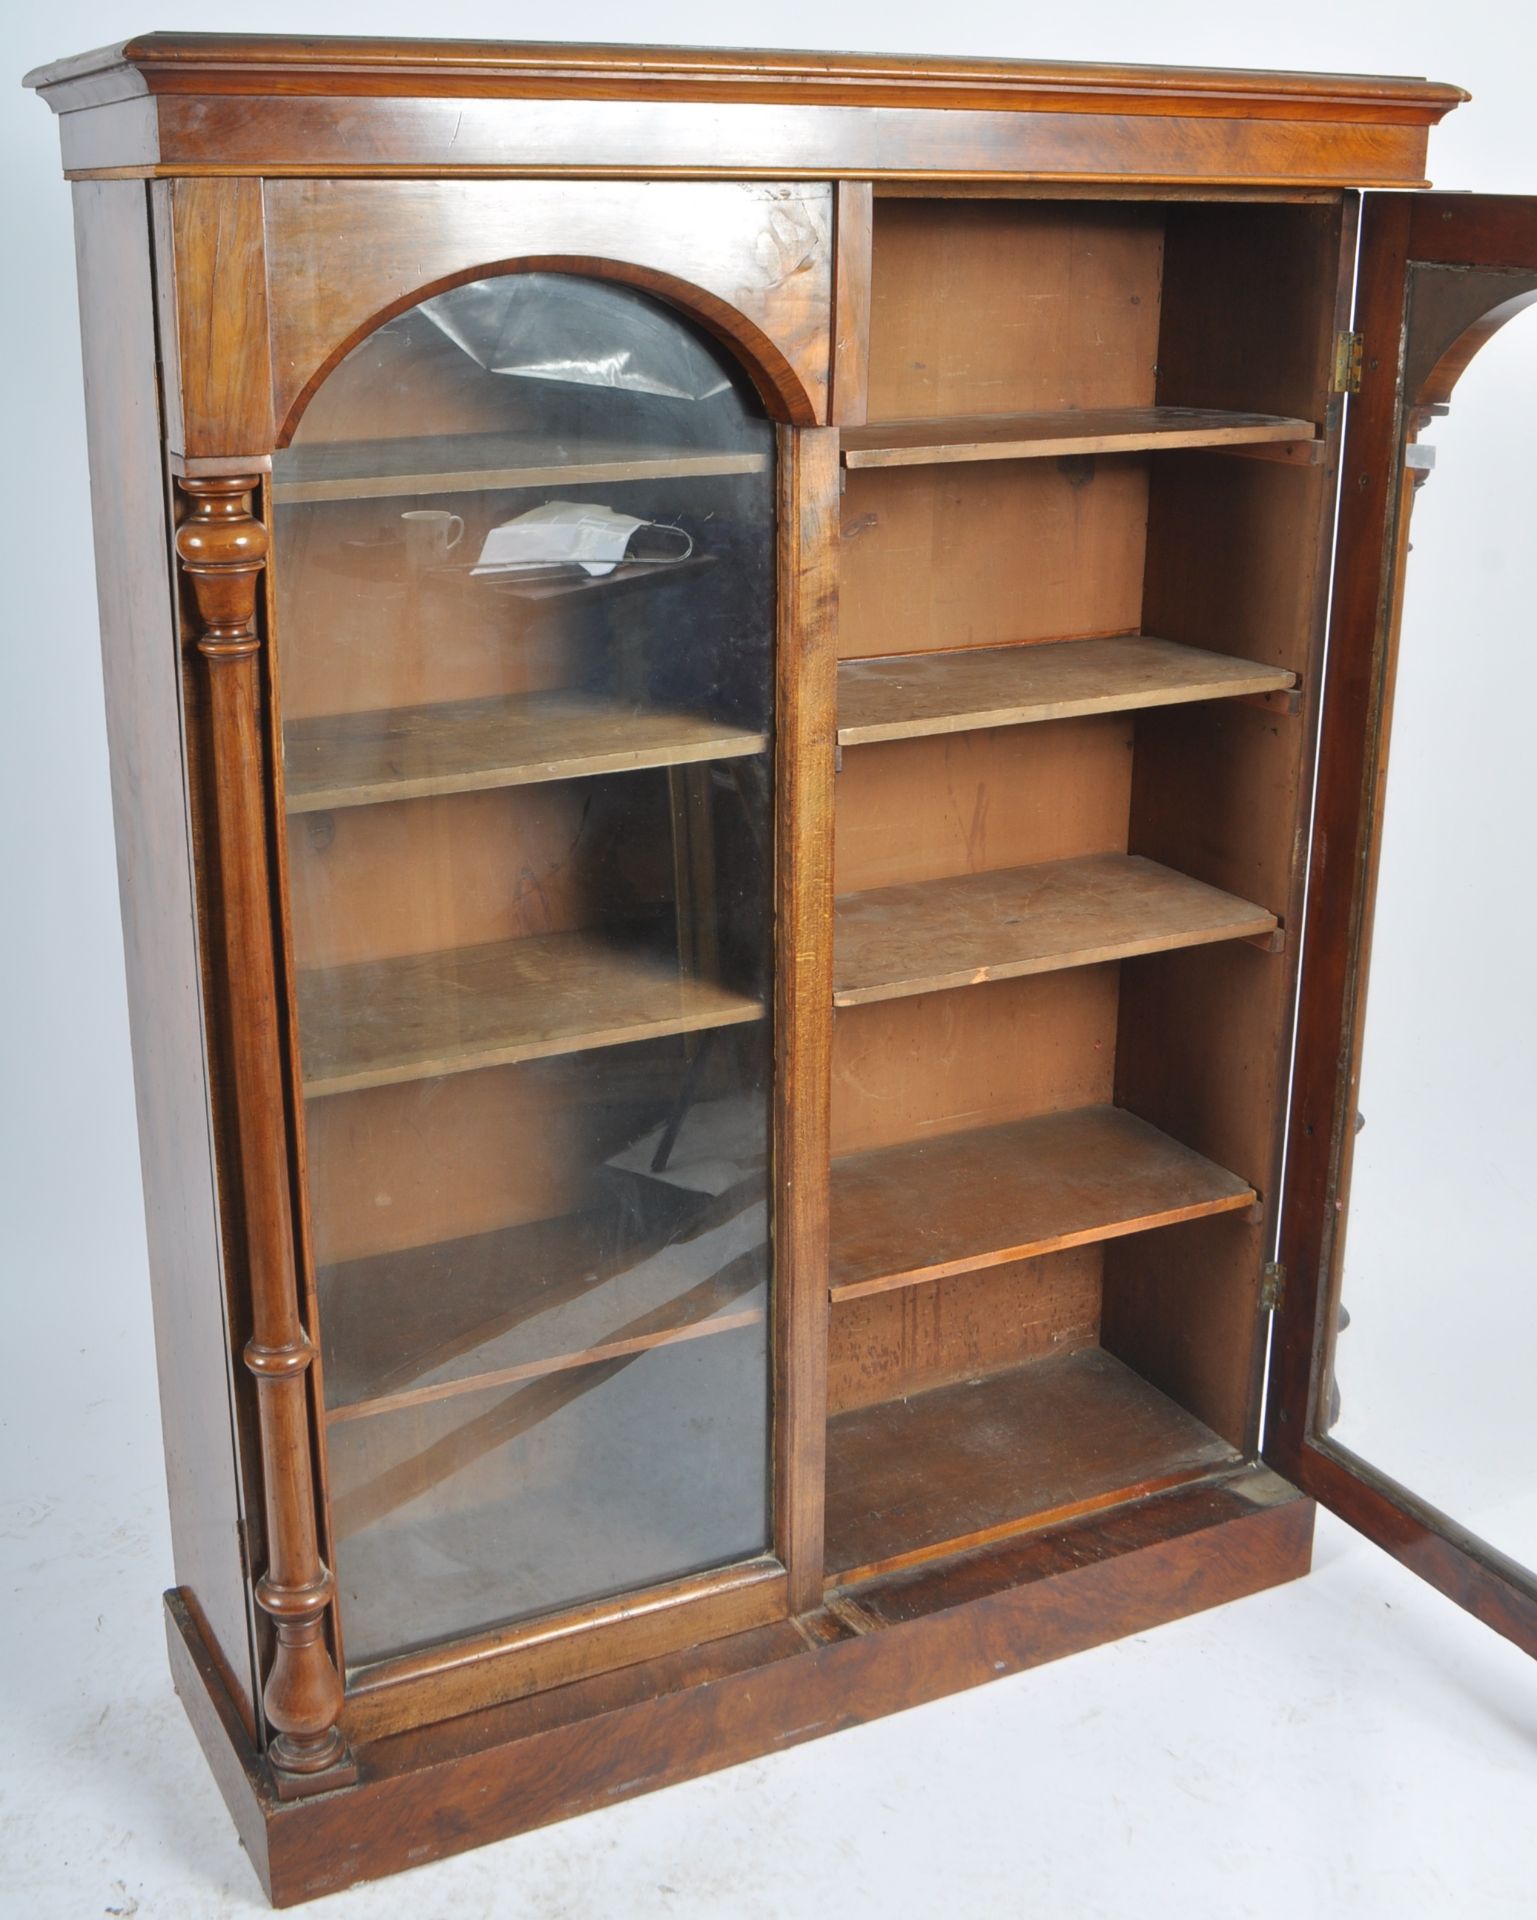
x,y
1053,1186
1083,539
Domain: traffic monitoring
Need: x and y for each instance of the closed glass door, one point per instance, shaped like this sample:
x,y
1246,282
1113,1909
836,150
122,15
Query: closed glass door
x,y
524,566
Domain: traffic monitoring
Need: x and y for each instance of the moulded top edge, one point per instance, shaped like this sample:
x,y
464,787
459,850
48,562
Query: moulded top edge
x,y
271,63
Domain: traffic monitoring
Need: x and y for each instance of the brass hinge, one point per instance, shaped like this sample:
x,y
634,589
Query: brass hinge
x,y
1348,349
1272,1286
243,1546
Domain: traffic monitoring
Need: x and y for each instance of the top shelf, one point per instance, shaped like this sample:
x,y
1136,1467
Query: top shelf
x,y
1039,436
486,463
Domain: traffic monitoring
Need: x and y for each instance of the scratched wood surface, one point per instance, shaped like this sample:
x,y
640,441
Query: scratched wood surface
x,y
964,1466
993,926
902,698
463,746
918,1212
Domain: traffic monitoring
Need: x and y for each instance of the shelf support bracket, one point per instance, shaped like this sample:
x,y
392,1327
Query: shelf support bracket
x,y
222,547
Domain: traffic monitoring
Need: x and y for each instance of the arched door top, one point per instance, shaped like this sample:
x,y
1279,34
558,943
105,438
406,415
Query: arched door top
x,y
749,263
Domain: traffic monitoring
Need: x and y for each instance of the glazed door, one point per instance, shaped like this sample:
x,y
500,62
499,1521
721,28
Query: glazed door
x,y
524,565
1415,1424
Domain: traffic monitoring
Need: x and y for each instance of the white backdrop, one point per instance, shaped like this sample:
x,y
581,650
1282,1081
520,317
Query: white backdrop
x,y
1352,1744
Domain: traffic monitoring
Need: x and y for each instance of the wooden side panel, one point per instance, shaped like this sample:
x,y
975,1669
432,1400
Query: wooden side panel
x,y
141,664
752,262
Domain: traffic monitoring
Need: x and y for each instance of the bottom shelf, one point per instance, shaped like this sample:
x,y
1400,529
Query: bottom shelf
x,y
961,1466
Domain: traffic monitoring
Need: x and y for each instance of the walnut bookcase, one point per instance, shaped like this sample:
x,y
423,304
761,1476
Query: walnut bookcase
x,y
713,1125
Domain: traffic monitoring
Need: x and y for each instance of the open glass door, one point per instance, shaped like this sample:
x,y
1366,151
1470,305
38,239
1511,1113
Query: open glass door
x,y
1429,1389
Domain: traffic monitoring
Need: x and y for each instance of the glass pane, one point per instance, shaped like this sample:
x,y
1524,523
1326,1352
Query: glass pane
x,y
524,563
1434,1372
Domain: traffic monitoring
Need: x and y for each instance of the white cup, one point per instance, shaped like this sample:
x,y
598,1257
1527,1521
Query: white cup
x,y
431,535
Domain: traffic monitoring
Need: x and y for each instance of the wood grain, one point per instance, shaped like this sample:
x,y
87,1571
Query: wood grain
x,y
463,746
1062,433
211,288
949,803
888,1346
903,697
918,1212
750,262
198,1313
378,1022
1223,792
470,135
965,1466
994,926
988,554
245,63
992,307
914,1637
852,223
805,704
941,1063
511,1663
483,463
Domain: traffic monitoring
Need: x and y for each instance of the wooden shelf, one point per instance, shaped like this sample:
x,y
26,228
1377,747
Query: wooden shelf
x,y
481,463
935,934
962,1466
1039,436
908,695
646,1264
928,1208
384,1021
463,746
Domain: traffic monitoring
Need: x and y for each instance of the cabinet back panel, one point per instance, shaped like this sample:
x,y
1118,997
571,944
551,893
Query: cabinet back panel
x,y
892,1344
940,1063
382,637
929,808
979,555
404,1166
1000,307
417,876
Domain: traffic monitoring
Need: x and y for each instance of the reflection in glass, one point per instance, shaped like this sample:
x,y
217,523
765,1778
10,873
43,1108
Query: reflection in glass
x,y
1434,1372
525,576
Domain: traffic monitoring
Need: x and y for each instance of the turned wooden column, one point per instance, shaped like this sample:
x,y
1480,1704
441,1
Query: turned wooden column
x,y
223,551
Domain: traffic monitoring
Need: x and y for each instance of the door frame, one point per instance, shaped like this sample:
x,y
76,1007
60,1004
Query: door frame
x,y
1412,354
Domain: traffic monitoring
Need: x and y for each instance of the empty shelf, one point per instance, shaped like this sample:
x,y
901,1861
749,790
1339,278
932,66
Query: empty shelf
x,y
962,1466
935,934
478,463
461,746
1038,436
965,1200
381,1021
908,695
